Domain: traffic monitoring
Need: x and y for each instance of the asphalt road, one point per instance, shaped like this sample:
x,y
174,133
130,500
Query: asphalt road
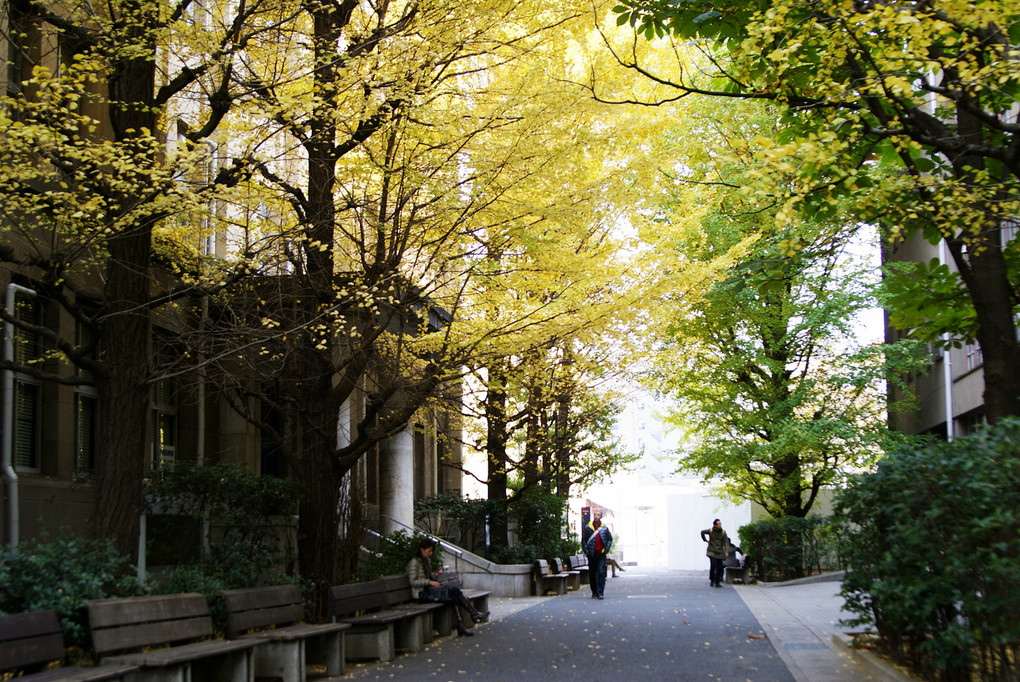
x,y
654,626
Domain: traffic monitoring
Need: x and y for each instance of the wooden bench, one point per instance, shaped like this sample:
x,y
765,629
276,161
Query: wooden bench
x,y
574,581
546,580
399,596
377,631
291,646
579,562
739,574
30,642
479,598
138,630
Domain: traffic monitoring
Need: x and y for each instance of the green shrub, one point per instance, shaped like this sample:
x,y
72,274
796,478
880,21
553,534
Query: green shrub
x,y
62,574
540,519
449,515
518,554
932,544
242,506
788,547
394,553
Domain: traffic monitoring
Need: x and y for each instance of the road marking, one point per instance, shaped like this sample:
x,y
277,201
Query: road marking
x,y
647,596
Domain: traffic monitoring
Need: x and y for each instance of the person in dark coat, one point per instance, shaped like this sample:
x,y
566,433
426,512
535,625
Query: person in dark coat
x,y
718,550
597,541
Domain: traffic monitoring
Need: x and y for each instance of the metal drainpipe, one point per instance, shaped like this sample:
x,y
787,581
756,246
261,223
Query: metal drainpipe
x,y
947,364
10,475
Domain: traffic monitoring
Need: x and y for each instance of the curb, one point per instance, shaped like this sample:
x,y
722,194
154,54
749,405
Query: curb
x,y
835,576
871,662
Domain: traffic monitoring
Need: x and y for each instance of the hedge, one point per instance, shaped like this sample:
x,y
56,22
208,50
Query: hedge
x,y
932,545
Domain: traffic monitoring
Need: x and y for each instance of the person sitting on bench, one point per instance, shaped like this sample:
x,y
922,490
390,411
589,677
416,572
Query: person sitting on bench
x,y
426,588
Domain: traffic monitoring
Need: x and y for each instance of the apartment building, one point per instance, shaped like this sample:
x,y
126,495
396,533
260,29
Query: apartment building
x,y
949,398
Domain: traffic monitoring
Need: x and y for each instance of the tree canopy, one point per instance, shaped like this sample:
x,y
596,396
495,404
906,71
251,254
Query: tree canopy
x,y
904,112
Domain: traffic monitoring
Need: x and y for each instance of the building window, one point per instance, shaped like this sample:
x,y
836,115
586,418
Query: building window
x,y
164,423
974,356
26,425
1010,228
27,390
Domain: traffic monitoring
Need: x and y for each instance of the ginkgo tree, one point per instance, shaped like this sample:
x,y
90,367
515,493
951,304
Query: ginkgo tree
x,y
904,113
778,399
385,281
307,197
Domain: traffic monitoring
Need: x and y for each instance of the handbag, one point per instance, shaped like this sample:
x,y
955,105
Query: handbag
x,y
435,594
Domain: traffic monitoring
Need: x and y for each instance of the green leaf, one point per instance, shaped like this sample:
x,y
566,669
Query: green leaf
x,y
1014,33
707,16
924,164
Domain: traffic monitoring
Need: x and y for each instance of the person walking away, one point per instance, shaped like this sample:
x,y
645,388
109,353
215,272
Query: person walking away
x,y
427,589
718,550
597,541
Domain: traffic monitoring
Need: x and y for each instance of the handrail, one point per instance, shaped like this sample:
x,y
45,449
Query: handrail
x,y
378,535
452,548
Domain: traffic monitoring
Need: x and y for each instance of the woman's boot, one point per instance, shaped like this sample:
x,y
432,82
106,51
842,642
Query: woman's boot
x,y
461,630
476,615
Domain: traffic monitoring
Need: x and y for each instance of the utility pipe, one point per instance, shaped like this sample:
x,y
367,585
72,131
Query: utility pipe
x,y
10,475
947,363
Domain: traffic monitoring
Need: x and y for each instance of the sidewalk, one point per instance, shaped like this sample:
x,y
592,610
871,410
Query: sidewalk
x,y
654,624
802,618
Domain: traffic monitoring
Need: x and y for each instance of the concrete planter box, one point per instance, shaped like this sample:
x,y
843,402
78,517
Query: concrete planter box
x,y
500,580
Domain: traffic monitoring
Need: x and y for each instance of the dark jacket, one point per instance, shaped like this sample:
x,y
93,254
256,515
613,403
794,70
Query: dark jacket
x,y
589,532
718,543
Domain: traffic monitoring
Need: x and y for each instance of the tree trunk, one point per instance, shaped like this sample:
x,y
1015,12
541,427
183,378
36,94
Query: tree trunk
x,y
562,448
495,449
988,286
534,439
983,269
320,558
125,327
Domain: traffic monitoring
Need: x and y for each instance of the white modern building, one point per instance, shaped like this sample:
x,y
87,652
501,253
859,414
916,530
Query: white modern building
x,y
657,514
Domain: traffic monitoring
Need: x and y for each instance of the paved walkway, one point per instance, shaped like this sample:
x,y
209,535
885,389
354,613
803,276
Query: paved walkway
x,y
802,619
654,624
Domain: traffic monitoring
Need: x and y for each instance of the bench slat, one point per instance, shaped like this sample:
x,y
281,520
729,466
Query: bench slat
x,y
29,639
158,658
29,652
261,597
97,674
28,624
296,632
238,622
110,612
150,634
348,599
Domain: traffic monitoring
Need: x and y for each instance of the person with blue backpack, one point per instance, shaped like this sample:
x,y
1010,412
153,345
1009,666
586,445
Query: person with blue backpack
x,y
597,541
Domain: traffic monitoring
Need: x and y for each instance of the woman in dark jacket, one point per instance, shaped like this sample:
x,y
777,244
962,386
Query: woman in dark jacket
x,y
419,573
718,550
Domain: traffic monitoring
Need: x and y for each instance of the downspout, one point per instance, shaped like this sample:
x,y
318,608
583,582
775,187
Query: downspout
x,y
947,363
10,475
201,427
